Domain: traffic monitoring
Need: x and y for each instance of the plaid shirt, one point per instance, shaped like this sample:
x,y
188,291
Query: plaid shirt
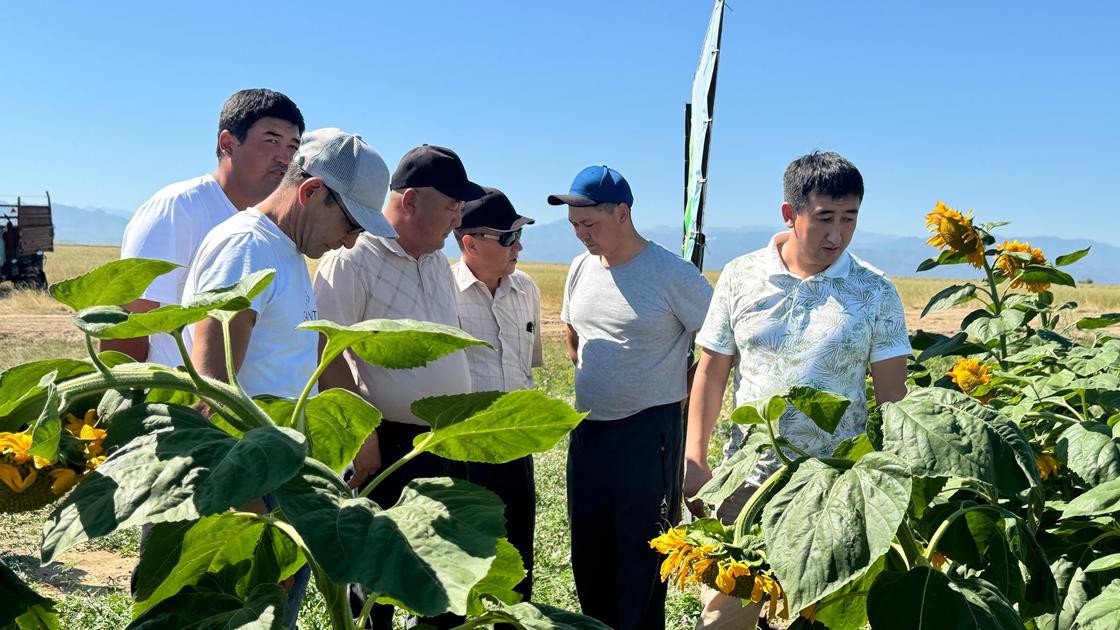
x,y
510,320
377,279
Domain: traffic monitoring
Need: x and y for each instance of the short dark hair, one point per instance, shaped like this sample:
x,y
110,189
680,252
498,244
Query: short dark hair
x,y
828,174
242,110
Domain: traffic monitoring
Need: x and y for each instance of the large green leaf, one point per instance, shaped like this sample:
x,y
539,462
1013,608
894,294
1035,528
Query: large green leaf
x,y
988,328
512,426
23,387
23,605
206,609
530,616
943,433
827,526
947,257
949,297
823,408
1070,258
507,572
114,323
733,473
117,282
427,552
1090,451
1076,586
1101,321
957,345
177,467
1044,273
846,609
444,411
180,554
1103,611
924,599
393,343
1103,499
338,422
1040,589
46,433
1105,563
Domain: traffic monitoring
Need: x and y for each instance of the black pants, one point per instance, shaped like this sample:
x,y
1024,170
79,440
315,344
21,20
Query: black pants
x,y
395,441
624,488
513,483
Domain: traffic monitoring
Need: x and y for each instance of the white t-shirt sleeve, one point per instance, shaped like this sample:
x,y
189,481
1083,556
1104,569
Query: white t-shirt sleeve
x,y
718,334
230,259
152,233
340,290
889,337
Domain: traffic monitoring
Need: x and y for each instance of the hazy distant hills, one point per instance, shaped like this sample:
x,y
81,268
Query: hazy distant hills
x,y
554,242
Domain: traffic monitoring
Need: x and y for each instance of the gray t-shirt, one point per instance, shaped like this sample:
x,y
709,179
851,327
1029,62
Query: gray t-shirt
x,y
635,322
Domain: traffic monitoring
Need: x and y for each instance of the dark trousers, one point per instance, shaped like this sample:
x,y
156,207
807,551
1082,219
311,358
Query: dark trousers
x,y
624,488
395,440
513,483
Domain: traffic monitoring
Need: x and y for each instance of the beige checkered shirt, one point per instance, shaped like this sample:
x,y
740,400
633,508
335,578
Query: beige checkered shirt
x,y
377,279
510,320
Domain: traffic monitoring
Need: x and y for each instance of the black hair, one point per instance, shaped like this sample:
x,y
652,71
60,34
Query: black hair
x,y
828,174
242,110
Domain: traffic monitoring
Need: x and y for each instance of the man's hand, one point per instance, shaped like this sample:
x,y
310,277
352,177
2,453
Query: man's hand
x,y
367,462
696,474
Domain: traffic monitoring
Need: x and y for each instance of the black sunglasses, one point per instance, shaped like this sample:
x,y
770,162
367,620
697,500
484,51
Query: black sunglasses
x,y
354,227
505,239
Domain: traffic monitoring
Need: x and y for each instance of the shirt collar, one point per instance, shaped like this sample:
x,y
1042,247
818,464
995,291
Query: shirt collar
x,y
776,267
394,246
465,279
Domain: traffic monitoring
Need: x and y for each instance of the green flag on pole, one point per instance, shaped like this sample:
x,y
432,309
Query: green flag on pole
x,y
698,134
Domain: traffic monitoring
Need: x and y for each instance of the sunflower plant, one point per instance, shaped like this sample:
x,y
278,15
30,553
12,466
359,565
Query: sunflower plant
x,y
145,455
989,497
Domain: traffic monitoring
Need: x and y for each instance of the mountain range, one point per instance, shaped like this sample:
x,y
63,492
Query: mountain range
x,y
554,242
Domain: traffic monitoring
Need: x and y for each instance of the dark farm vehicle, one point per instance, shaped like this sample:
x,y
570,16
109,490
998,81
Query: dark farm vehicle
x,y
26,232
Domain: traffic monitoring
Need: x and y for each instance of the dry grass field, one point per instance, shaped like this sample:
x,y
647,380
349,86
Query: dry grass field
x,y
91,582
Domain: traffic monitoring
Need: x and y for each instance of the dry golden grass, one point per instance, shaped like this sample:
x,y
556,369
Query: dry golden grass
x,y
72,260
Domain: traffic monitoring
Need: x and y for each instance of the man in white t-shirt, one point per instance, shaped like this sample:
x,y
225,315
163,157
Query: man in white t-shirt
x,y
800,311
258,131
332,192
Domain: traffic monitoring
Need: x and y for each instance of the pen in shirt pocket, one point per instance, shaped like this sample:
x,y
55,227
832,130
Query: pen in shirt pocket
x,y
529,327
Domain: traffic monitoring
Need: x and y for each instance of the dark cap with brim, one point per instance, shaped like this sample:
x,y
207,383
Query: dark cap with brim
x,y
429,166
493,212
595,185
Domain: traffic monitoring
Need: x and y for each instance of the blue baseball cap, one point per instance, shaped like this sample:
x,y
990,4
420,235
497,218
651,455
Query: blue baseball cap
x,y
595,185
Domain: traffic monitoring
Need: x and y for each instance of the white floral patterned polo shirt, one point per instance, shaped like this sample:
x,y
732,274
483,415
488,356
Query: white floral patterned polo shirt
x,y
822,331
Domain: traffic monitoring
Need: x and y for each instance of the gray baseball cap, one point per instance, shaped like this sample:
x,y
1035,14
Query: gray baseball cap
x,y
353,170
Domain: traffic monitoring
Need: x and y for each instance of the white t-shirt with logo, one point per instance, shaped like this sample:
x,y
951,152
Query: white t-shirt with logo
x,y
170,226
280,359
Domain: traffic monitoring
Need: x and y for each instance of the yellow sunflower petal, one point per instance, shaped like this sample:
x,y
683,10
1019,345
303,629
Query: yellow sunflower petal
x,y
64,479
12,478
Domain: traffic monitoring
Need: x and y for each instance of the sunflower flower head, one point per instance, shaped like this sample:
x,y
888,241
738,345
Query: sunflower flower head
x,y
1046,465
954,231
969,374
1010,266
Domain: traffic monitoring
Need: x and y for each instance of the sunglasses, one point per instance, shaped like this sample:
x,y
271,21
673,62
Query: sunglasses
x,y
505,239
355,229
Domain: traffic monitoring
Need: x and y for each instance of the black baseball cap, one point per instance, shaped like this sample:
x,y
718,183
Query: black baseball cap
x,y
436,167
493,211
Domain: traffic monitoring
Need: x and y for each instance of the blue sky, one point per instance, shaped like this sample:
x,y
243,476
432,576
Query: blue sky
x,y
1008,108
